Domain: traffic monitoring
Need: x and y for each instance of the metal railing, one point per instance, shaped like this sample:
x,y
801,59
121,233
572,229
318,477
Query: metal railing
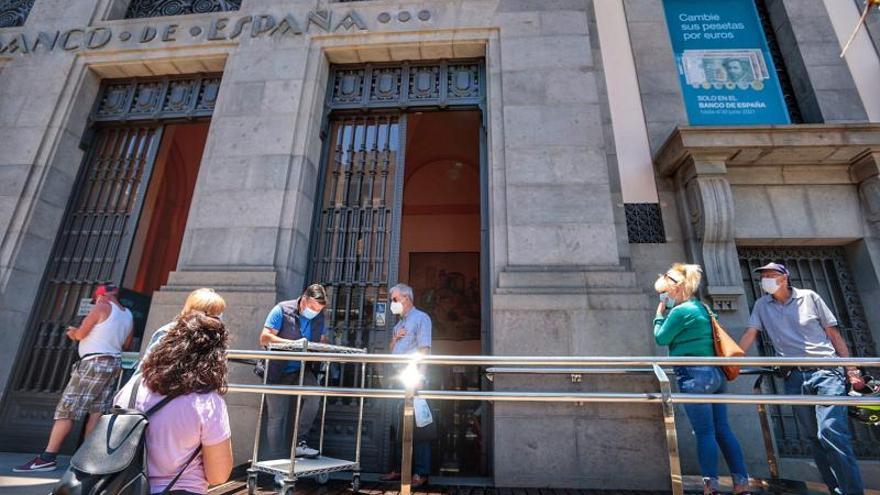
x,y
574,366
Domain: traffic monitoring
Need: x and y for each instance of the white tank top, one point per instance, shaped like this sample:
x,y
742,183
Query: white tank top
x,y
108,336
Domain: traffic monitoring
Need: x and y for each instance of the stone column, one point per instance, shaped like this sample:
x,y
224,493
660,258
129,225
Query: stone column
x,y
246,234
708,223
561,287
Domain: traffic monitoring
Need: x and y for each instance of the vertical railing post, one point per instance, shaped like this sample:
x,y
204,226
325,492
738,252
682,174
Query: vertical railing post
x,y
411,379
407,443
671,435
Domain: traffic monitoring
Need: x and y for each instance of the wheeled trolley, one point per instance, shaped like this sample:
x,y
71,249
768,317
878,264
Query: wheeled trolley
x,y
320,467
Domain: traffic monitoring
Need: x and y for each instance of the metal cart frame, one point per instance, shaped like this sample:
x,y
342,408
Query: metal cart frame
x,y
320,467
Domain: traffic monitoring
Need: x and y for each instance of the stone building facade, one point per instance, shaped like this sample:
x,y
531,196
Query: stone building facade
x,y
534,156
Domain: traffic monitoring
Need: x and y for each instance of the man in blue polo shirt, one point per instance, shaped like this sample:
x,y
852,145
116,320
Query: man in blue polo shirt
x,y
288,321
800,324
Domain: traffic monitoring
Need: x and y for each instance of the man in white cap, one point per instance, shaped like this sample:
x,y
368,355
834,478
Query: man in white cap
x,y
800,324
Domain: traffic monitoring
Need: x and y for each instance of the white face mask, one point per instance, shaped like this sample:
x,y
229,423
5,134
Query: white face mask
x,y
769,285
309,313
397,307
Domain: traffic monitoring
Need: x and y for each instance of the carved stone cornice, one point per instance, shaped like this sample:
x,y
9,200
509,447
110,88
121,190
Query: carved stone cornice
x,y
807,144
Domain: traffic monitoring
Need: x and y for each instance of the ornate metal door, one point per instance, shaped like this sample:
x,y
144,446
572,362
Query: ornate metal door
x,y
355,258
95,237
826,271
91,248
355,240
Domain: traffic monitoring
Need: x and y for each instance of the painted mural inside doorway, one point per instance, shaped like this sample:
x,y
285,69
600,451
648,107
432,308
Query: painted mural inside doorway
x,y
401,202
124,224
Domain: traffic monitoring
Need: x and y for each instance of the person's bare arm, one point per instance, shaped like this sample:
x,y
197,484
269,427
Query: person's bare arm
x,y
839,343
217,460
126,346
270,336
99,313
748,338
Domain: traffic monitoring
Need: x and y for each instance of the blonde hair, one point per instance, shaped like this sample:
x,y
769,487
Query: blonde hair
x,y
205,300
688,276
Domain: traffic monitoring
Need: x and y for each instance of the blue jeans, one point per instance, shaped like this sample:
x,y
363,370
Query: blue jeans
x,y
827,429
710,425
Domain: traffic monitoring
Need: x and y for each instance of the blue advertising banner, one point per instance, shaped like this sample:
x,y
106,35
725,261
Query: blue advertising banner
x,y
726,71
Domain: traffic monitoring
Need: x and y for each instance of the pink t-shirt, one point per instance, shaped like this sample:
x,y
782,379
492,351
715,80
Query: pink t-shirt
x,y
174,433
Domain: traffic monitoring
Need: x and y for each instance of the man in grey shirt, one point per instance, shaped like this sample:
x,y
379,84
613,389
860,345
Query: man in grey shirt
x,y
800,324
411,334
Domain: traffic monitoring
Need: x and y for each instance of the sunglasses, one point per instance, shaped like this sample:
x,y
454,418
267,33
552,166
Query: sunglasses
x,y
670,277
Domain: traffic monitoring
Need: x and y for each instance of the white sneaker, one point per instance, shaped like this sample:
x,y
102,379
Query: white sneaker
x,y
303,450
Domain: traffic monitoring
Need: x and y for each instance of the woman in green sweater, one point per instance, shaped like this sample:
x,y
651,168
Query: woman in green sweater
x,y
683,324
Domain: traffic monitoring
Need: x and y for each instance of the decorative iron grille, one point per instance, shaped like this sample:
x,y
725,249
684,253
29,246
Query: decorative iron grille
x,y
644,223
14,12
351,258
437,84
157,98
825,271
161,8
91,248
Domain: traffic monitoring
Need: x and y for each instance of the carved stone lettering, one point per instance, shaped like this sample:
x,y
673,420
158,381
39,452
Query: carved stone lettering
x,y
239,26
214,31
18,44
350,20
217,30
69,39
169,32
320,18
287,26
47,40
262,24
99,37
147,35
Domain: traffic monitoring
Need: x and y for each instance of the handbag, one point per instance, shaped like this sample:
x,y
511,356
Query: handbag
x,y
725,346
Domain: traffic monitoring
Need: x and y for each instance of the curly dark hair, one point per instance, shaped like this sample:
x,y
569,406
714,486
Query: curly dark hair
x,y
191,357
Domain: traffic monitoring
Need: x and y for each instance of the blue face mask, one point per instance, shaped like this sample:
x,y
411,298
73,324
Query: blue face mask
x,y
309,313
670,302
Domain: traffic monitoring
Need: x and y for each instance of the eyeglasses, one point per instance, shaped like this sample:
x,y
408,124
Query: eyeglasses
x,y
670,277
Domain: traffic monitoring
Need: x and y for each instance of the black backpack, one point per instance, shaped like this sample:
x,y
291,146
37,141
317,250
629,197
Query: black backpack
x,y
113,458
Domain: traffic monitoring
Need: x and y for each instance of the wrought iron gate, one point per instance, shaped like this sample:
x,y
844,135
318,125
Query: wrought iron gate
x,y
826,271
356,234
91,248
353,256
95,238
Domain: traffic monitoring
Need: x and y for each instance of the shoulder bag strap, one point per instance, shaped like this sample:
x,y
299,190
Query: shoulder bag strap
x,y
179,474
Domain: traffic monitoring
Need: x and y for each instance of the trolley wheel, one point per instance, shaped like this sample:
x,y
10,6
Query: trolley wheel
x,y
251,484
356,483
322,478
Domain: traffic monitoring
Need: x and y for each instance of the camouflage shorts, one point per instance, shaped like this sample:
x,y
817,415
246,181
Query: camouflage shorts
x,y
90,389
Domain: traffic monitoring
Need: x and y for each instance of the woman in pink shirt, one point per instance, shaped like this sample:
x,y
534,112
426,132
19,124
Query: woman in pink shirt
x,y
189,363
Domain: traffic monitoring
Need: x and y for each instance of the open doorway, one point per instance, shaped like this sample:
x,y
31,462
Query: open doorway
x,y
166,207
440,258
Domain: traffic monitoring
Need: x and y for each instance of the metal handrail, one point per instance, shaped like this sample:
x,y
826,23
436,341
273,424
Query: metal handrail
x,y
559,365
648,361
